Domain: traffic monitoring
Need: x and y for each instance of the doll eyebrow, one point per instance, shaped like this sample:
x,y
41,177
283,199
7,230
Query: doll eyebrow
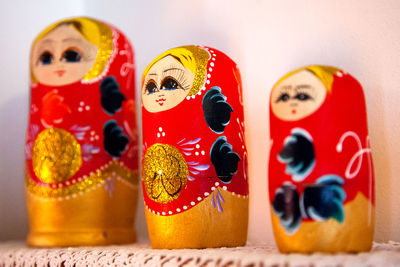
x,y
72,39
286,87
44,41
303,86
172,69
152,74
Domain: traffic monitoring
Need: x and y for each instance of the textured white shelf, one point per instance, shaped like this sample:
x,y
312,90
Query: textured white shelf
x,y
17,254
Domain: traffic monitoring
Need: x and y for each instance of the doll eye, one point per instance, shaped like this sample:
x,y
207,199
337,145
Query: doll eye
x,y
46,58
71,56
151,88
169,84
283,97
302,97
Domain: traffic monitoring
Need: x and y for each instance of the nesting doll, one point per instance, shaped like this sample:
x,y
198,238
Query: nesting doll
x,y
81,147
195,182
321,182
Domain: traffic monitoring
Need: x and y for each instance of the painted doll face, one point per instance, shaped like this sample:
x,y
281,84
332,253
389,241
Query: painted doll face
x,y
166,85
62,57
298,96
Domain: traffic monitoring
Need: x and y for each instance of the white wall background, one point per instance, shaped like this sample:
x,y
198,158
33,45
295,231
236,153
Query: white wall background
x,y
266,38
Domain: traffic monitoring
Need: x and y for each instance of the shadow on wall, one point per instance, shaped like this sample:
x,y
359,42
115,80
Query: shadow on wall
x,y
13,214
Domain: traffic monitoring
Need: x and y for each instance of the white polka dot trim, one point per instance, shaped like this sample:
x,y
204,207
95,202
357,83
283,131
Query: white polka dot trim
x,y
208,75
199,199
81,193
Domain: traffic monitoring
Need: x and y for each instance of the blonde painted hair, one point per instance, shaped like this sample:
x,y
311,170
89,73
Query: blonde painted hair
x,y
323,73
95,32
191,57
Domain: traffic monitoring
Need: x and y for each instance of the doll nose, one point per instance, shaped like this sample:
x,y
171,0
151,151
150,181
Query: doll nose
x,y
294,104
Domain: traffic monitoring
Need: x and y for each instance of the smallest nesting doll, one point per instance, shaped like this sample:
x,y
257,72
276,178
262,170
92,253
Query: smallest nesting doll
x,y
321,182
195,162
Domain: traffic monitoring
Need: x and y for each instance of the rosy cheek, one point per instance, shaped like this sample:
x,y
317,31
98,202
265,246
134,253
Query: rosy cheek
x,y
47,72
73,71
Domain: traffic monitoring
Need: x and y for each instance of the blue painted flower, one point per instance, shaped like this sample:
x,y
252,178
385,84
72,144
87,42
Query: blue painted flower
x,y
115,140
217,112
324,199
224,159
298,154
286,207
111,96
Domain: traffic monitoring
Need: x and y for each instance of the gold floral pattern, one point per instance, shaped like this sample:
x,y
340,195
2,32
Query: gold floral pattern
x,y
56,155
164,173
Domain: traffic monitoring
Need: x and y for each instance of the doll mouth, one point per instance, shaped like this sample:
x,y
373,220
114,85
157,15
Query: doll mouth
x,y
60,72
161,101
293,111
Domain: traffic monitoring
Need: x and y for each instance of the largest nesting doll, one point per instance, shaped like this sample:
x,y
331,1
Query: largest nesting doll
x,y
321,184
195,163
81,147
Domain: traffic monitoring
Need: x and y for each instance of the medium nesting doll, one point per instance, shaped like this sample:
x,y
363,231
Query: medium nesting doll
x,y
321,182
81,148
194,176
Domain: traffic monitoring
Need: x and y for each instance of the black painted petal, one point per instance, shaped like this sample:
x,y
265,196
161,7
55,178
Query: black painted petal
x,y
298,154
286,207
111,96
224,159
217,112
115,140
324,199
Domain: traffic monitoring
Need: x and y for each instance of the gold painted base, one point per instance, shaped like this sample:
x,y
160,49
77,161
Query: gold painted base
x,y
93,218
355,234
202,226
87,238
